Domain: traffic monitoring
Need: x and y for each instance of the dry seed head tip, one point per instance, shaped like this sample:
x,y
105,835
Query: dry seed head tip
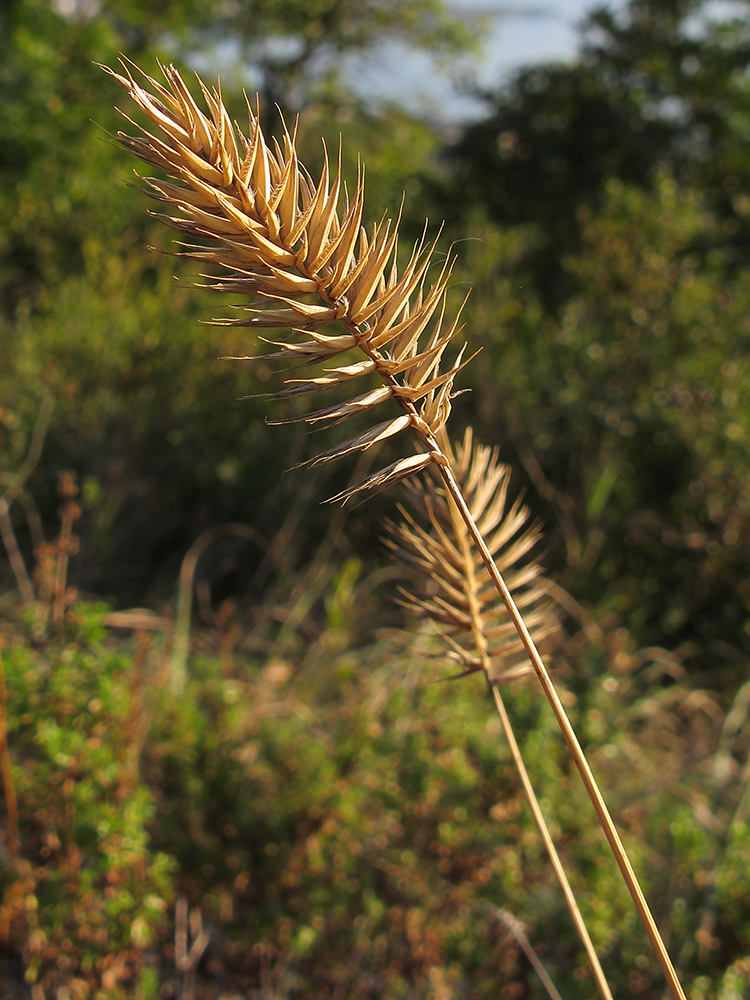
x,y
453,588
308,263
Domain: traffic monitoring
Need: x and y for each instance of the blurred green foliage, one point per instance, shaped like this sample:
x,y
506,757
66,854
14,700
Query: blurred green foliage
x,y
156,427
342,825
645,369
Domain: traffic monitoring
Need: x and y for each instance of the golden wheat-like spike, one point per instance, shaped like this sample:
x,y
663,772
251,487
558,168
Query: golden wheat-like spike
x,y
469,612
307,261
333,377
301,355
258,209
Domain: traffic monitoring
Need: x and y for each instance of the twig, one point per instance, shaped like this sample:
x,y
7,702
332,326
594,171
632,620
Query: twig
x,y
15,483
513,925
471,590
33,518
564,503
67,543
35,450
178,662
14,555
515,928
187,954
319,573
9,788
593,633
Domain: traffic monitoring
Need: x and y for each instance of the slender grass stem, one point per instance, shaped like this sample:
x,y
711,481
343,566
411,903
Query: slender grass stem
x,y
570,900
11,804
464,539
181,641
505,918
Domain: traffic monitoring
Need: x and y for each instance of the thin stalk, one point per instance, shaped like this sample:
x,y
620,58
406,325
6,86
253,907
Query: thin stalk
x,y
11,803
480,643
597,800
181,643
14,555
554,857
18,479
505,918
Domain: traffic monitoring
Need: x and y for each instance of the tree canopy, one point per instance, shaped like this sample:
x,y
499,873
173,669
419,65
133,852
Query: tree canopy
x,y
657,85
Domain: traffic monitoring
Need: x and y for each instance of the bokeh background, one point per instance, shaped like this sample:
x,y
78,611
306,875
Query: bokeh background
x,y
309,816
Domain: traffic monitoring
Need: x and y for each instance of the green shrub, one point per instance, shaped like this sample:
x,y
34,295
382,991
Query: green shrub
x,y
85,896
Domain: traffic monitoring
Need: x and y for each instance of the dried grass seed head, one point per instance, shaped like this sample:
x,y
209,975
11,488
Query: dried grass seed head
x,y
283,239
452,587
